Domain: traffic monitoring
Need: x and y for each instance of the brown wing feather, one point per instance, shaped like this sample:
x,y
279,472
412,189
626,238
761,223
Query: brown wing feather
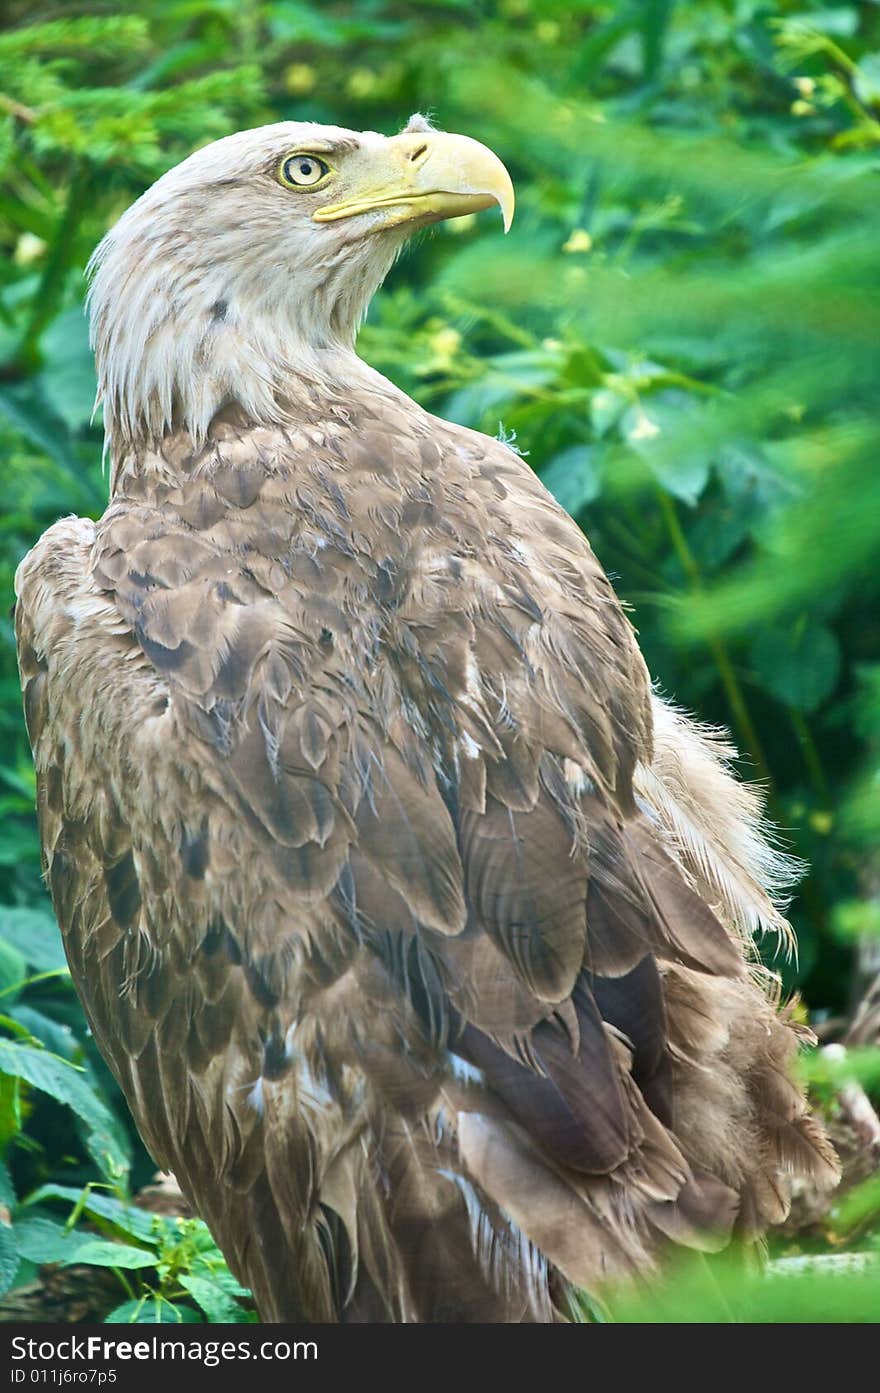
x,y
335,738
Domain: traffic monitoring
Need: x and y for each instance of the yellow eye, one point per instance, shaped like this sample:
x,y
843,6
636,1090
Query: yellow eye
x,y
303,171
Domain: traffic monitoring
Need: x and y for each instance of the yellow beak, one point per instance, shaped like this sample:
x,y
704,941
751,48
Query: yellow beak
x,y
424,177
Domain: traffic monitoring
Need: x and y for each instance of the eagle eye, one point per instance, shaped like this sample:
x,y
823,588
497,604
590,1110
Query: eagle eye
x,y
303,171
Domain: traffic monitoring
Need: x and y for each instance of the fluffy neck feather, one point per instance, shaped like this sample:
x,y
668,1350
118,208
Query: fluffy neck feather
x,y
195,304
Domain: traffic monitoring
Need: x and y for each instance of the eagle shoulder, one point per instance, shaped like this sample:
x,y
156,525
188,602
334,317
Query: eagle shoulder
x,y
336,733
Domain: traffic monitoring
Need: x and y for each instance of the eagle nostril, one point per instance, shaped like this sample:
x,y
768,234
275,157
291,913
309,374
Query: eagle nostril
x,y
417,154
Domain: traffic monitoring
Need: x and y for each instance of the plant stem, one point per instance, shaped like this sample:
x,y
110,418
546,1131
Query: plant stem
x,y
810,753
16,109
733,691
51,288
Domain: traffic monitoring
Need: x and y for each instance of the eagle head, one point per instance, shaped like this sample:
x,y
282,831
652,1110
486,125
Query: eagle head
x,y
252,263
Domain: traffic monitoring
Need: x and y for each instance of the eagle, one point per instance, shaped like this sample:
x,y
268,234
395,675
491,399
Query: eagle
x,y
416,929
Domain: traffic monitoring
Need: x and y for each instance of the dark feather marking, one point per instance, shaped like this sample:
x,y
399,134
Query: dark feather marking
x,y
387,590
257,978
34,704
338,497
29,661
344,893
634,1005
145,581
575,1107
53,784
240,486
215,726
275,1060
427,993
195,853
213,940
225,593
524,601
123,891
165,659
448,786
62,883
336,1252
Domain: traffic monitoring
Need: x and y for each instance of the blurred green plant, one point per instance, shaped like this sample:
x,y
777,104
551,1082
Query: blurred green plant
x,y
169,1269
796,1291
680,332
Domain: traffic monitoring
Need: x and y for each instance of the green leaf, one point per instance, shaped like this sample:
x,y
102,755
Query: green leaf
x,y
842,22
607,407
17,844
831,1071
866,79
8,1198
757,485
25,410
666,432
9,1257
152,1311
13,970
99,1252
65,1083
40,1239
799,665
853,920
472,403
214,1270
574,477
10,1110
53,1035
128,1218
35,934
217,1304
68,378
858,1206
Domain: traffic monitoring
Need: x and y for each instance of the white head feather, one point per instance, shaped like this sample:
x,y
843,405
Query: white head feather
x,y
217,284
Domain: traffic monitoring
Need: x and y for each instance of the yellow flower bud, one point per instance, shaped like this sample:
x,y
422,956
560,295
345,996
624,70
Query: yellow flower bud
x,y
28,249
361,83
300,79
579,241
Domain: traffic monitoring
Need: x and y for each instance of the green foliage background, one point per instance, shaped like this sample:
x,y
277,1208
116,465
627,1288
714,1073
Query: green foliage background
x,y
681,331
